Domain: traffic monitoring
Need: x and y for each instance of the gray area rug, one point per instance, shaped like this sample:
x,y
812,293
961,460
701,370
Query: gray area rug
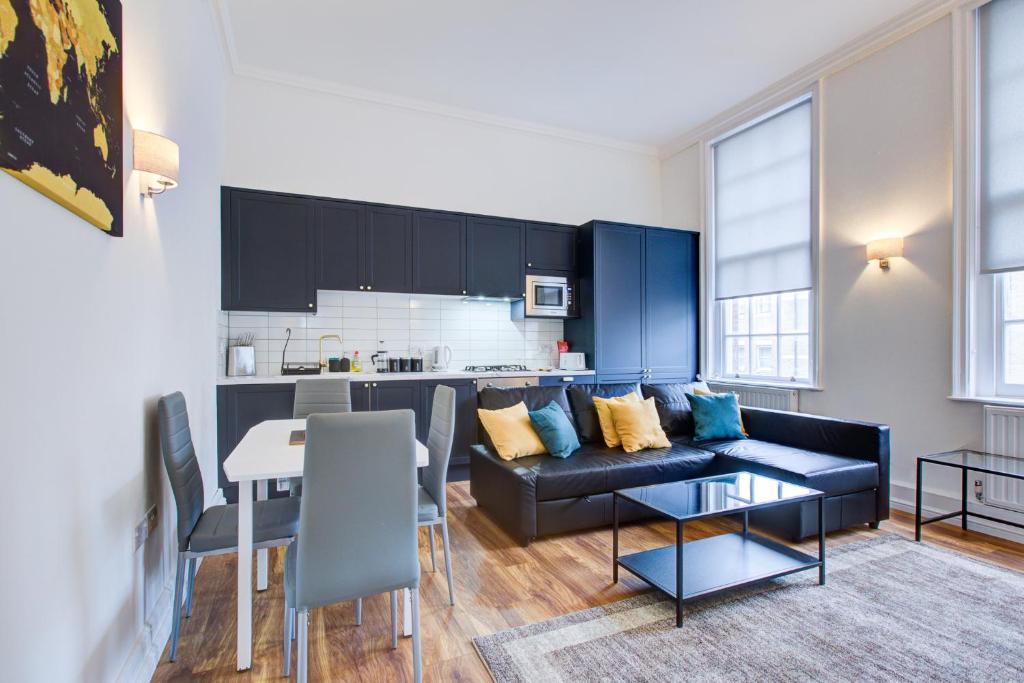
x,y
892,610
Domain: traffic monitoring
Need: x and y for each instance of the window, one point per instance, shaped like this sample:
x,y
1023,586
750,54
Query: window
x,y
763,208
989,337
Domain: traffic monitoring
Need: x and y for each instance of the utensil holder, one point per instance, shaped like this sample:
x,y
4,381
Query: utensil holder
x,y
241,361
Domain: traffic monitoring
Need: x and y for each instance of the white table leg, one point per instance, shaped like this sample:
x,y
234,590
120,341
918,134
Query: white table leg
x,y
406,613
244,575
261,555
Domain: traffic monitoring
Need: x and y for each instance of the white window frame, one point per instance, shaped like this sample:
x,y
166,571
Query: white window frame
x,y
714,326
977,346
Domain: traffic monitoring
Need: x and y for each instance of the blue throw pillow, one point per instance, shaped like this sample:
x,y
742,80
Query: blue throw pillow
x,y
555,430
716,416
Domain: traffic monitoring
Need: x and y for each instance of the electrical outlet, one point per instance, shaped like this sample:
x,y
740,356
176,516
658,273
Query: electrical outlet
x,y
979,490
144,528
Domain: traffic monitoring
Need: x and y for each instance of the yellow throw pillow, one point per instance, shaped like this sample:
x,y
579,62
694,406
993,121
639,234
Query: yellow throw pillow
x,y
702,389
638,425
604,416
511,432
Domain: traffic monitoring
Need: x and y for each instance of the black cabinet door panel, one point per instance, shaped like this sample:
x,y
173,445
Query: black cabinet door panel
x,y
387,249
339,239
241,407
439,253
395,395
269,253
670,304
495,257
619,300
550,247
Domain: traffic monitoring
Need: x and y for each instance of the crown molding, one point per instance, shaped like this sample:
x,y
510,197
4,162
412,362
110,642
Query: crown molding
x,y
883,36
355,94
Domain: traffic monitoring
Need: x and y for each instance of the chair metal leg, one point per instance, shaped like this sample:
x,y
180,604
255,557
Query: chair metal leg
x,y
302,666
359,611
294,619
394,620
179,579
191,586
417,654
447,560
433,559
287,642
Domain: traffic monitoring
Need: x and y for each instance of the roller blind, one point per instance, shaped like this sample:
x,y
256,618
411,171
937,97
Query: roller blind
x,y
762,206
1001,141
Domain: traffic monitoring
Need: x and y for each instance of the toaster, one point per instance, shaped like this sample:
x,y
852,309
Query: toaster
x,y
572,361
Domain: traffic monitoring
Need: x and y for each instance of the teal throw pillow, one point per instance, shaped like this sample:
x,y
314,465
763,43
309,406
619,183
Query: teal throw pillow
x,y
555,430
716,416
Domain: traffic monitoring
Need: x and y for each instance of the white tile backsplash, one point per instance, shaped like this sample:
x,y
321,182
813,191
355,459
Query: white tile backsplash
x,y
478,332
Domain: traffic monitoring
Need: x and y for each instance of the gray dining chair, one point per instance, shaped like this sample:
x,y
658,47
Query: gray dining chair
x,y
318,396
357,524
432,502
213,531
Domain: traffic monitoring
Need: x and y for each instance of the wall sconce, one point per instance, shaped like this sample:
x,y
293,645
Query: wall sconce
x,y
883,250
156,158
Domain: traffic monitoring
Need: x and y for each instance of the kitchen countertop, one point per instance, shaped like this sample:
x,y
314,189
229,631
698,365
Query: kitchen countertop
x,y
392,376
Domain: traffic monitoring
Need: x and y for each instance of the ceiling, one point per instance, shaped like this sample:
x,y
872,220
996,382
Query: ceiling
x,y
641,72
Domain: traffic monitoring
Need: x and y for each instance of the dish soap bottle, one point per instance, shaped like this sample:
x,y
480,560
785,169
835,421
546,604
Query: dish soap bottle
x,y
357,365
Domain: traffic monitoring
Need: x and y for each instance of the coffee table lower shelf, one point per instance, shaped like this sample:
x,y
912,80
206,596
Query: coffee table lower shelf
x,y
718,563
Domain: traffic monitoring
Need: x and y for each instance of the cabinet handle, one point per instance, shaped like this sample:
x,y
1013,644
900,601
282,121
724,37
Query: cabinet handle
x,y
374,384
524,293
361,287
366,386
368,287
529,265
463,291
311,305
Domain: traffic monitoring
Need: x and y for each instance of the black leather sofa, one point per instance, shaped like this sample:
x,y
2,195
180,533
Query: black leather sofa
x,y
543,495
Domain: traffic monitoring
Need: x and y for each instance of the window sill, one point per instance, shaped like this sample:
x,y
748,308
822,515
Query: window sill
x,y
1011,401
771,385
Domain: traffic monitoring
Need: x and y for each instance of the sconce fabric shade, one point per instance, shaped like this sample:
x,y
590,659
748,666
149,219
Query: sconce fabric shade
x,y
885,249
157,158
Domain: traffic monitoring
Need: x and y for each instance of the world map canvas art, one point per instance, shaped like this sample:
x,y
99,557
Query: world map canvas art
x,y
60,103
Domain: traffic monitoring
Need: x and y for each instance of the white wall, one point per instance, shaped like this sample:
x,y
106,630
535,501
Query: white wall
x,y
95,330
887,169
292,139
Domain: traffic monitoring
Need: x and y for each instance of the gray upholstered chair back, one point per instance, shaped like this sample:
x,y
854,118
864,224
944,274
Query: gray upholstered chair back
x,y
439,443
357,523
181,463
321,396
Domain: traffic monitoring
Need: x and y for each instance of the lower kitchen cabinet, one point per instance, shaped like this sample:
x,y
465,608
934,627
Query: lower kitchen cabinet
x,y
242,406
465,416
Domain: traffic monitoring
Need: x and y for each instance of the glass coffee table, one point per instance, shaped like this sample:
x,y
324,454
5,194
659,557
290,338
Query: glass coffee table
x,y
699,568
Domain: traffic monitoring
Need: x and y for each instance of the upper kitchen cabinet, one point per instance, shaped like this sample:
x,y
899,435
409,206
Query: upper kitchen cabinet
x,y
495,254
438,253
340,227
550,248
268,252
387,249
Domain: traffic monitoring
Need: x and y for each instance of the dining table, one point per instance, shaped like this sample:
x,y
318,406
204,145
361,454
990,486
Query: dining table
x,y
263,455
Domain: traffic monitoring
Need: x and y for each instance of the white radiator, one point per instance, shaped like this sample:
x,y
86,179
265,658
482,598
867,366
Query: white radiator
x,y
761,397
1004,435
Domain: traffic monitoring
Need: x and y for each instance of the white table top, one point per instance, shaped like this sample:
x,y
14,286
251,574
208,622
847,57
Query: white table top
x,y
264,453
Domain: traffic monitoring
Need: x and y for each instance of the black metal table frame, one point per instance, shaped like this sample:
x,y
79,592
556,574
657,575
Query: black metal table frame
x,y
679,544
962,513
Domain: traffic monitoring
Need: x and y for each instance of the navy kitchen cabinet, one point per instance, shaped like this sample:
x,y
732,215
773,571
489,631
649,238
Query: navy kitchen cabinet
x,y
340,227
241,407
550,248
395,395
465,416
387,249
495,254
670,305
268,252
567,380
639,297
438,253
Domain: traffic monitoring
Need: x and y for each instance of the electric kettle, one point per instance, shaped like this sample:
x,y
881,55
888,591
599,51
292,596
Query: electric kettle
x,y
440,357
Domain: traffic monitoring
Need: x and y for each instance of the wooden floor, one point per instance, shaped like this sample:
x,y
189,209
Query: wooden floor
x,y
498,585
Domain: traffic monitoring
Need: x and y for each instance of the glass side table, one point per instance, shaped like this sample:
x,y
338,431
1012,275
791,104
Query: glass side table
x,y
966,461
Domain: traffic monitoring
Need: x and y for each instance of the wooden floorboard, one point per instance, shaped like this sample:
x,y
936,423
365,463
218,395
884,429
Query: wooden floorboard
x,y
498,585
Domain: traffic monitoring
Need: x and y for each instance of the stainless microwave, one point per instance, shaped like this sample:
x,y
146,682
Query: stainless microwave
x,y
548,296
